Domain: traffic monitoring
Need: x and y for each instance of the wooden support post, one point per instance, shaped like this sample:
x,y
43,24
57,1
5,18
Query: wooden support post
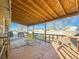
x,y
49,38
27,32
57,37
45,32
52,37
33,32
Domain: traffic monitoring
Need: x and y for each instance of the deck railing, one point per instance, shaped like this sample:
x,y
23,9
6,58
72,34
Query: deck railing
x,y
52,38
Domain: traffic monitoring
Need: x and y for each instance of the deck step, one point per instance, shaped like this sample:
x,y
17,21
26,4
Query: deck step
x,y
72,52
69,54
65,52
66,56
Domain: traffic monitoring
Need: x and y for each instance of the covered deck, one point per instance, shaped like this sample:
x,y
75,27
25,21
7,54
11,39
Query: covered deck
x,y
37,45
43,11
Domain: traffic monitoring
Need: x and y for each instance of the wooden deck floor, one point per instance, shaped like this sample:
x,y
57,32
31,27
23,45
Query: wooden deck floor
x,y
37,50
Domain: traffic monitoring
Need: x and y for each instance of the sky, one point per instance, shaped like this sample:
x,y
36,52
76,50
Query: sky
x,y
69,21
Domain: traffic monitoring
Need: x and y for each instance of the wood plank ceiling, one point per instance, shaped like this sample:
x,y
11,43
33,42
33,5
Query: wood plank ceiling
x,y
29,12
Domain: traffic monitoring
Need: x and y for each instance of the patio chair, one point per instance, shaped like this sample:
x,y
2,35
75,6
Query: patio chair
x,y
30,39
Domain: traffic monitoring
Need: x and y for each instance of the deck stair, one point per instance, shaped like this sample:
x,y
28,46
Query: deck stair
x,y
65,52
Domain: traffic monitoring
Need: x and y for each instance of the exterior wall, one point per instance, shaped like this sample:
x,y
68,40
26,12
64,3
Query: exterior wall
x,y
4,26
4,15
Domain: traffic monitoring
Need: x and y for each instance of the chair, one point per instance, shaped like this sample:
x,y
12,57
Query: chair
x,y
30,39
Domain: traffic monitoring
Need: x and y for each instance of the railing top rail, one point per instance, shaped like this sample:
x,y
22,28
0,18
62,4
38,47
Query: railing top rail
x,y
51,34
73,37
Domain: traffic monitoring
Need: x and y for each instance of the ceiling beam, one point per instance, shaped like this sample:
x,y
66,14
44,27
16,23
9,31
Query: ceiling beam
x,y
26,13
64,16
35,11
15,19
24,17
77,4
69,5
53,13
62,7
39,8
43,7
21,20
16,10
54,4
22,13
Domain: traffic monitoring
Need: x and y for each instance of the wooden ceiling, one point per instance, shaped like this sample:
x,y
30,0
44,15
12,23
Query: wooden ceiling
x,y
29,12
